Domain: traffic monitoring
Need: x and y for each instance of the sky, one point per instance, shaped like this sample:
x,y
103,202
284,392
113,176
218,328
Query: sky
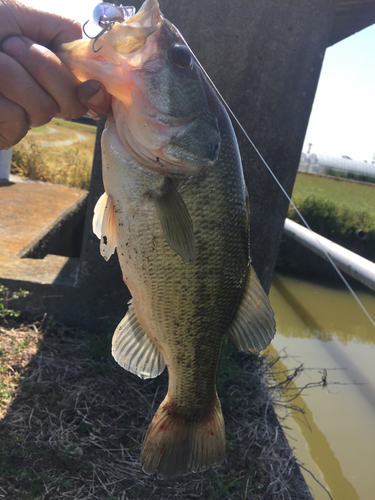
x,y
342,122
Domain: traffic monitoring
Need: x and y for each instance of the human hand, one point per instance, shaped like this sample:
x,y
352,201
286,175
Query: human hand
x,y
35,85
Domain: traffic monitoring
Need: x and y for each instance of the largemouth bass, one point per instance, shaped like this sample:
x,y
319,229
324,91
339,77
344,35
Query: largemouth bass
x,y
176,209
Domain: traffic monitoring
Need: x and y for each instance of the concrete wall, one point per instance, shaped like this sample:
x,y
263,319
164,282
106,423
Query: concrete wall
x,y
265,57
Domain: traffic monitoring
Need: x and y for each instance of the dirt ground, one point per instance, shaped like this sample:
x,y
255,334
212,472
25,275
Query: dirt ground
x,y
72,423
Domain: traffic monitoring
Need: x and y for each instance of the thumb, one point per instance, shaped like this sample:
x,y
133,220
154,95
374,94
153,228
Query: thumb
x,y
93,96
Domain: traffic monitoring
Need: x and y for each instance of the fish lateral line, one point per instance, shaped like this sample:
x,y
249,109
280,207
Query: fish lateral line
x,y
305,223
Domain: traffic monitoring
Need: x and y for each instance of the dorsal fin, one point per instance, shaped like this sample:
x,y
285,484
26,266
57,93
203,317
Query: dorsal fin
x,y
254,326
104,225
133,349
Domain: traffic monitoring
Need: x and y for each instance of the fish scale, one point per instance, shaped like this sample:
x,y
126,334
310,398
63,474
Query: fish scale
x,y
176,210
174,290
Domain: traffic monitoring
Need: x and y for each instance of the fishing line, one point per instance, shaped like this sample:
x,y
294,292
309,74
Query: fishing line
x,y
367,314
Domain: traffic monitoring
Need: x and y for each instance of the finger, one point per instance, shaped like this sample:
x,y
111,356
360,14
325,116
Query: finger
x,y
13,123
18,86
93,95
42,27
53,78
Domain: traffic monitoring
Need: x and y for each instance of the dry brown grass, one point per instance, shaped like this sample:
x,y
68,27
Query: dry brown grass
x,y
68,164
73,428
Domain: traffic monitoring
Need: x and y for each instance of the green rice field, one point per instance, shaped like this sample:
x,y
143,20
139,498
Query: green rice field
x,y
353,195
337,209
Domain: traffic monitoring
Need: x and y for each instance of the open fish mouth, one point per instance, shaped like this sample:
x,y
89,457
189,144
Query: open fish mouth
x,y
161,101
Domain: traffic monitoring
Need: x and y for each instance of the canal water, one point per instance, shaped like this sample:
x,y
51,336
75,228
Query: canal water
x,y
324,331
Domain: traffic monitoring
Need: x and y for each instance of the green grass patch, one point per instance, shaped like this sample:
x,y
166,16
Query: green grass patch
x,y
5,297
43,129
73,125
351,175
352,195
337,210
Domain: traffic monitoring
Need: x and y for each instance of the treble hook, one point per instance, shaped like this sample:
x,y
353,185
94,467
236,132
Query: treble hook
x,y
106,28
105,15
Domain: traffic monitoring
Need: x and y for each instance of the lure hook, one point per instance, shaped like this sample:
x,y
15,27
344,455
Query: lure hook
x,y
105,28
105,15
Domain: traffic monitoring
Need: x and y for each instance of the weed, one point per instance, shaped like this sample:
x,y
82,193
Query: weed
x,y
99,345
41,129
61,154
5,297
350,175
17,438
6,393
338,222
354,196
74,125
21,346
33,482
74,434
70,166
99,350
28,160
226,484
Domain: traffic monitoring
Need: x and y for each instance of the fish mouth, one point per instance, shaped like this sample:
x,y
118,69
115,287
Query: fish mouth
x,y
148,15
133,61
120,39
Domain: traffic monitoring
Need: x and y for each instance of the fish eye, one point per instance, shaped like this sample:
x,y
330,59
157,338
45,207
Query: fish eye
x,y
181,56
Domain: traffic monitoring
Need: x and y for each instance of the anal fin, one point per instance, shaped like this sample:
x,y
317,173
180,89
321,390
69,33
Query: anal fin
x,y
134,350
254,326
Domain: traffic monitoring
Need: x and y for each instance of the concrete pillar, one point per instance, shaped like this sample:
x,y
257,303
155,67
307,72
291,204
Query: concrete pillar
x,y
5,161
265,57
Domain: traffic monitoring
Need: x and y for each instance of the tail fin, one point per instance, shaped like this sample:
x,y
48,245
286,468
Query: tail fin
x,y
175,445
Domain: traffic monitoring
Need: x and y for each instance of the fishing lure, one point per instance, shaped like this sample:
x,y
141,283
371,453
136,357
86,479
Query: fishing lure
x,y
105,15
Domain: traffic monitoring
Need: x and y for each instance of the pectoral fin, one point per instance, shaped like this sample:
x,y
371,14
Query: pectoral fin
x,y
254,326
133,349
104,225
175,220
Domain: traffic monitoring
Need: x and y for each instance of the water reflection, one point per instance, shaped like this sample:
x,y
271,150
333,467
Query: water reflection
x,y
320,450
321,312
324,328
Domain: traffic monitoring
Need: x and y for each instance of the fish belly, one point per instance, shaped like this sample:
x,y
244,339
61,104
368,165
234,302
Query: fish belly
x,y
184,307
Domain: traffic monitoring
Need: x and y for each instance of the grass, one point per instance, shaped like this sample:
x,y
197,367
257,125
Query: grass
x,y
74,125
58,130
337,209
44,154
5,298
352,195
73,423
39,130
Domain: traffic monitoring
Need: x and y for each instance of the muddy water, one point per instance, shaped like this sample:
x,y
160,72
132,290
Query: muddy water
x,y
325,330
